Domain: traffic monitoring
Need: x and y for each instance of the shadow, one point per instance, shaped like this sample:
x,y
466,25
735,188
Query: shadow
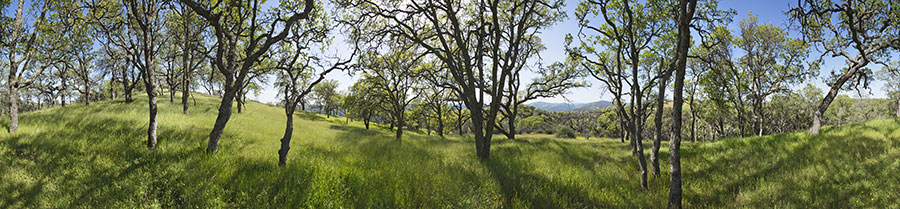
x,y
26,198
519,187
791,170
307,115
286,187
355,130
95,161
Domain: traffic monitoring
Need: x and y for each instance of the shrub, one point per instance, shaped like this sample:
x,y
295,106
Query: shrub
x,y
564,132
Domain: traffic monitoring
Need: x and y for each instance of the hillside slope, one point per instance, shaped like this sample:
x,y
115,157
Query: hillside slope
x,y
95,157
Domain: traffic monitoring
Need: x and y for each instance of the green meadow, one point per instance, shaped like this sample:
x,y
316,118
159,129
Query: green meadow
x,y
95,157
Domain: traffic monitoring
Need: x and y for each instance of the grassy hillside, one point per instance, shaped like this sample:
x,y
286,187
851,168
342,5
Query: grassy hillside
x,y
95,157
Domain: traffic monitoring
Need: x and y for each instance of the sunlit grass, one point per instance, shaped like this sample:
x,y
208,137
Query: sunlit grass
x,y
95,157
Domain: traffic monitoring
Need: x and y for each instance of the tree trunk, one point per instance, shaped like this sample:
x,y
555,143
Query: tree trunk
x,y
693,119
459,121
87,95
817,123
658,121
240,104
13,106
440,125
151,94
112,92
286,139
637,120
223,116
151,130
639,147
823,106
759,117
399,134
62,99
478,130
185,93
511,134
623,125
186,61
687,8
128,89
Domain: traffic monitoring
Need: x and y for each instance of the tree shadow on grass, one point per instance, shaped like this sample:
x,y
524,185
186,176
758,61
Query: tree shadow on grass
x,y
355,130
522,188
572,153
784,168
307,115
257,183
27,197
98,161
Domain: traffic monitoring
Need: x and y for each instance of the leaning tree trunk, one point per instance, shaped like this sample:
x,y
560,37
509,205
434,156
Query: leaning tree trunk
x,y
288,133
366,122
823,106
223,116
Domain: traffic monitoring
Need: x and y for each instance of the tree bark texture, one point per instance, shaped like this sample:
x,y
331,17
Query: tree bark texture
x,y
286,139
687,9
823,106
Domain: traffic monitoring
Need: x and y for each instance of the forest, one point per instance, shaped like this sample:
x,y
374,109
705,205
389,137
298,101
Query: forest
x,y
430,103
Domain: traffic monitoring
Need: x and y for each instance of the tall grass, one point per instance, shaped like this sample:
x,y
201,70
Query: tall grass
x,y
95,157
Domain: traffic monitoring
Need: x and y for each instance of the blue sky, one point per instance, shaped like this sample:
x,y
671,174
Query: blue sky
x,y
766,10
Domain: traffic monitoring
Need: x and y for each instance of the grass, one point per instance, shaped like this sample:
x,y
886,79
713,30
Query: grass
x,y
95,157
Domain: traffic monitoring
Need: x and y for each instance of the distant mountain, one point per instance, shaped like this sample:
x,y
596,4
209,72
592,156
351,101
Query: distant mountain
x,y
570,107
598,105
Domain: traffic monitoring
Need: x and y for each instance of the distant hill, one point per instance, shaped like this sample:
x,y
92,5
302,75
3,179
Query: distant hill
x,y
571,107
593,106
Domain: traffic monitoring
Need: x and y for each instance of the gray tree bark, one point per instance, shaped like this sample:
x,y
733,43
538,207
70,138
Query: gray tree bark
x,y
686,13
288,133
13,107
658,121
222,118
823,106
